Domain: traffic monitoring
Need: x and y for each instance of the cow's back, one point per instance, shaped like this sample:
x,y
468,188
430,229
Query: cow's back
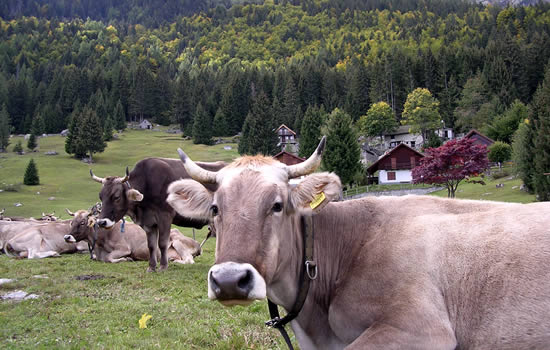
x,y
484,264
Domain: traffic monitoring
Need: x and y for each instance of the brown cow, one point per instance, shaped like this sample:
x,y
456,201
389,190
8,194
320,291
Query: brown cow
x,y
414,272
141,194
112,245
41,240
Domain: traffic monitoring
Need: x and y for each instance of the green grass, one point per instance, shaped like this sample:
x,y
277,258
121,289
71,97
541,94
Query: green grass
x,y
509,193
68,179
104,313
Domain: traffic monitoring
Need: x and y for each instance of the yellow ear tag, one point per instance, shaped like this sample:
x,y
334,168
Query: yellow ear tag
x,y
317,200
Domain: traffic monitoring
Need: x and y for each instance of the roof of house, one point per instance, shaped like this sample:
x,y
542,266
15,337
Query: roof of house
x,y
474,132
286,127
284,156
402,129
374,167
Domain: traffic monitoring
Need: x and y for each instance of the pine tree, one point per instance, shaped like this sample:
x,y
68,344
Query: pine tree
x,y
4,128
342,154
291,104
202,126
86,134
540,115
258,134
181,108
31,143
108,129
18,148
120,118
314,118
37,126
220,127
523,154
31,174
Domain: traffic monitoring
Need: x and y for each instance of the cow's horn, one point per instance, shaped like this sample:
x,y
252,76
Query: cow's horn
x,y
196,172
96,178
310,164
69,212
125,178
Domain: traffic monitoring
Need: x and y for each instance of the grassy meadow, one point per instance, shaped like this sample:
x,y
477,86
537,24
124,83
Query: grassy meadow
x,y
85,304
103,313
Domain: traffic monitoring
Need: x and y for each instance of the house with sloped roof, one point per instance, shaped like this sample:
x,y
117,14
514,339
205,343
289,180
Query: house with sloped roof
x,y
396,165
479,138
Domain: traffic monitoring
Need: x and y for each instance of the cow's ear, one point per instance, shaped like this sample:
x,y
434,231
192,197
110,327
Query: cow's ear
x,y
190,199
134,195
315,191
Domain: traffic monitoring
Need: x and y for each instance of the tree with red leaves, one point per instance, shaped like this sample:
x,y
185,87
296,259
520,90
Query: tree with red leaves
x,y
451,163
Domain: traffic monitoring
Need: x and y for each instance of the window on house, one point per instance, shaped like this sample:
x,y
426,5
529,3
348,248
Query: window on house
x,y
413,144
391,175
392,137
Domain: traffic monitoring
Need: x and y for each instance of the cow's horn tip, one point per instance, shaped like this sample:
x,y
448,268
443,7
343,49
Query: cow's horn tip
x,y
321,146
182,154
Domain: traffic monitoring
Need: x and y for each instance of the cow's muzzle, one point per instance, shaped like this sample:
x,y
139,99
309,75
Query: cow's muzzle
x,y
69,239
235,284
105,223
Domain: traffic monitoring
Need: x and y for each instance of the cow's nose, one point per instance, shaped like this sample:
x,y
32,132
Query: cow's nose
x,y
228,285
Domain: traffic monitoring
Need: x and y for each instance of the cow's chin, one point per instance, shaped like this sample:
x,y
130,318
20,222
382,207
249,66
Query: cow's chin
x,y
242,302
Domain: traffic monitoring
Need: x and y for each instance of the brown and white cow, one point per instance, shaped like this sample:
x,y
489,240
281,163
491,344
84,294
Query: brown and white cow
x,y
414,272
41,240
113,246
141,194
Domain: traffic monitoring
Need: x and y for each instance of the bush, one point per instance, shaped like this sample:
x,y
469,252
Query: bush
x,y
31,174
18,148
500,174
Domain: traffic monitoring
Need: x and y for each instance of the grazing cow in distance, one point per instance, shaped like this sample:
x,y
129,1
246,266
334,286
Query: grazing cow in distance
x,y
141,194
41,240
413,272
113,246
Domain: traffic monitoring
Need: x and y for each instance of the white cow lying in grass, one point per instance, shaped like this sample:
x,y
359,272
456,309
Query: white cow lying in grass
x,y
35,240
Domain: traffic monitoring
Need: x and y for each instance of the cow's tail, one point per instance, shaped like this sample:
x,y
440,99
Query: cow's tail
x,y
9,251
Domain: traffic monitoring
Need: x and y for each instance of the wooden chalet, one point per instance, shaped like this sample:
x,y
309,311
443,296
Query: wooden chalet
x,y
286,136
396,165
479,138
288,158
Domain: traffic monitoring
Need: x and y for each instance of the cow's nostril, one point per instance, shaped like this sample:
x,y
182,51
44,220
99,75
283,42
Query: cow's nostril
x,y
244,282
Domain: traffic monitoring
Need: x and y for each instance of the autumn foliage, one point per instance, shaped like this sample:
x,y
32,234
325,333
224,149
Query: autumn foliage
x,y
451,163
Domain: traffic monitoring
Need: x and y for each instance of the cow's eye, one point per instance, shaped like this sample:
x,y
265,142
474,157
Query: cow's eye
x,y
277,207
117,197
214,210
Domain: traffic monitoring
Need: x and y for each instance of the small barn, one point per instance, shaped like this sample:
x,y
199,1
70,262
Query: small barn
x,y
288,158
145,124
479,138
396,165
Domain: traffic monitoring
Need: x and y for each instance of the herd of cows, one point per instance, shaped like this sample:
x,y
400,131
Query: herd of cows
x,y
413,272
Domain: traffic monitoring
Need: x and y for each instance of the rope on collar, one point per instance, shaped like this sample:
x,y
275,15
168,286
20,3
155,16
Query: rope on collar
x,y
91,246
307,272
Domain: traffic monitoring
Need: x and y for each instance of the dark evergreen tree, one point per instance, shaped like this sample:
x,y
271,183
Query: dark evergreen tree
x,y
18,148
523,154
37,126
314,119
220,126
4,128
120,117
108,129
291,104
31,177
357,100
202,126
540,115
342,154
181,107
87,135
31,143
258,134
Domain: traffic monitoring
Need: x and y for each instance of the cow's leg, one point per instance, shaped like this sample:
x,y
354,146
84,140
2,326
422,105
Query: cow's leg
x,y
40,255
387,337
119,255
164,242
152,244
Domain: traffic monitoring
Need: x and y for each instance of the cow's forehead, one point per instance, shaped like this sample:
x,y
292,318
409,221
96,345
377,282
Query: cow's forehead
x,y
269,174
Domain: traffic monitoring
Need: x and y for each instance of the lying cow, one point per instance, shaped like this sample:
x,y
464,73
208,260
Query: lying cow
x,y
113,246
414,272
41,240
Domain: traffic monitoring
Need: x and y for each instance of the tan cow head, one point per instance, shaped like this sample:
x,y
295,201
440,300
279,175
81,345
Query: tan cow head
x,y
81,225
254,211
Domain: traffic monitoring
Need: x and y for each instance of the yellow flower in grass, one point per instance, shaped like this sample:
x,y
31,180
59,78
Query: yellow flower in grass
x,y
143,320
